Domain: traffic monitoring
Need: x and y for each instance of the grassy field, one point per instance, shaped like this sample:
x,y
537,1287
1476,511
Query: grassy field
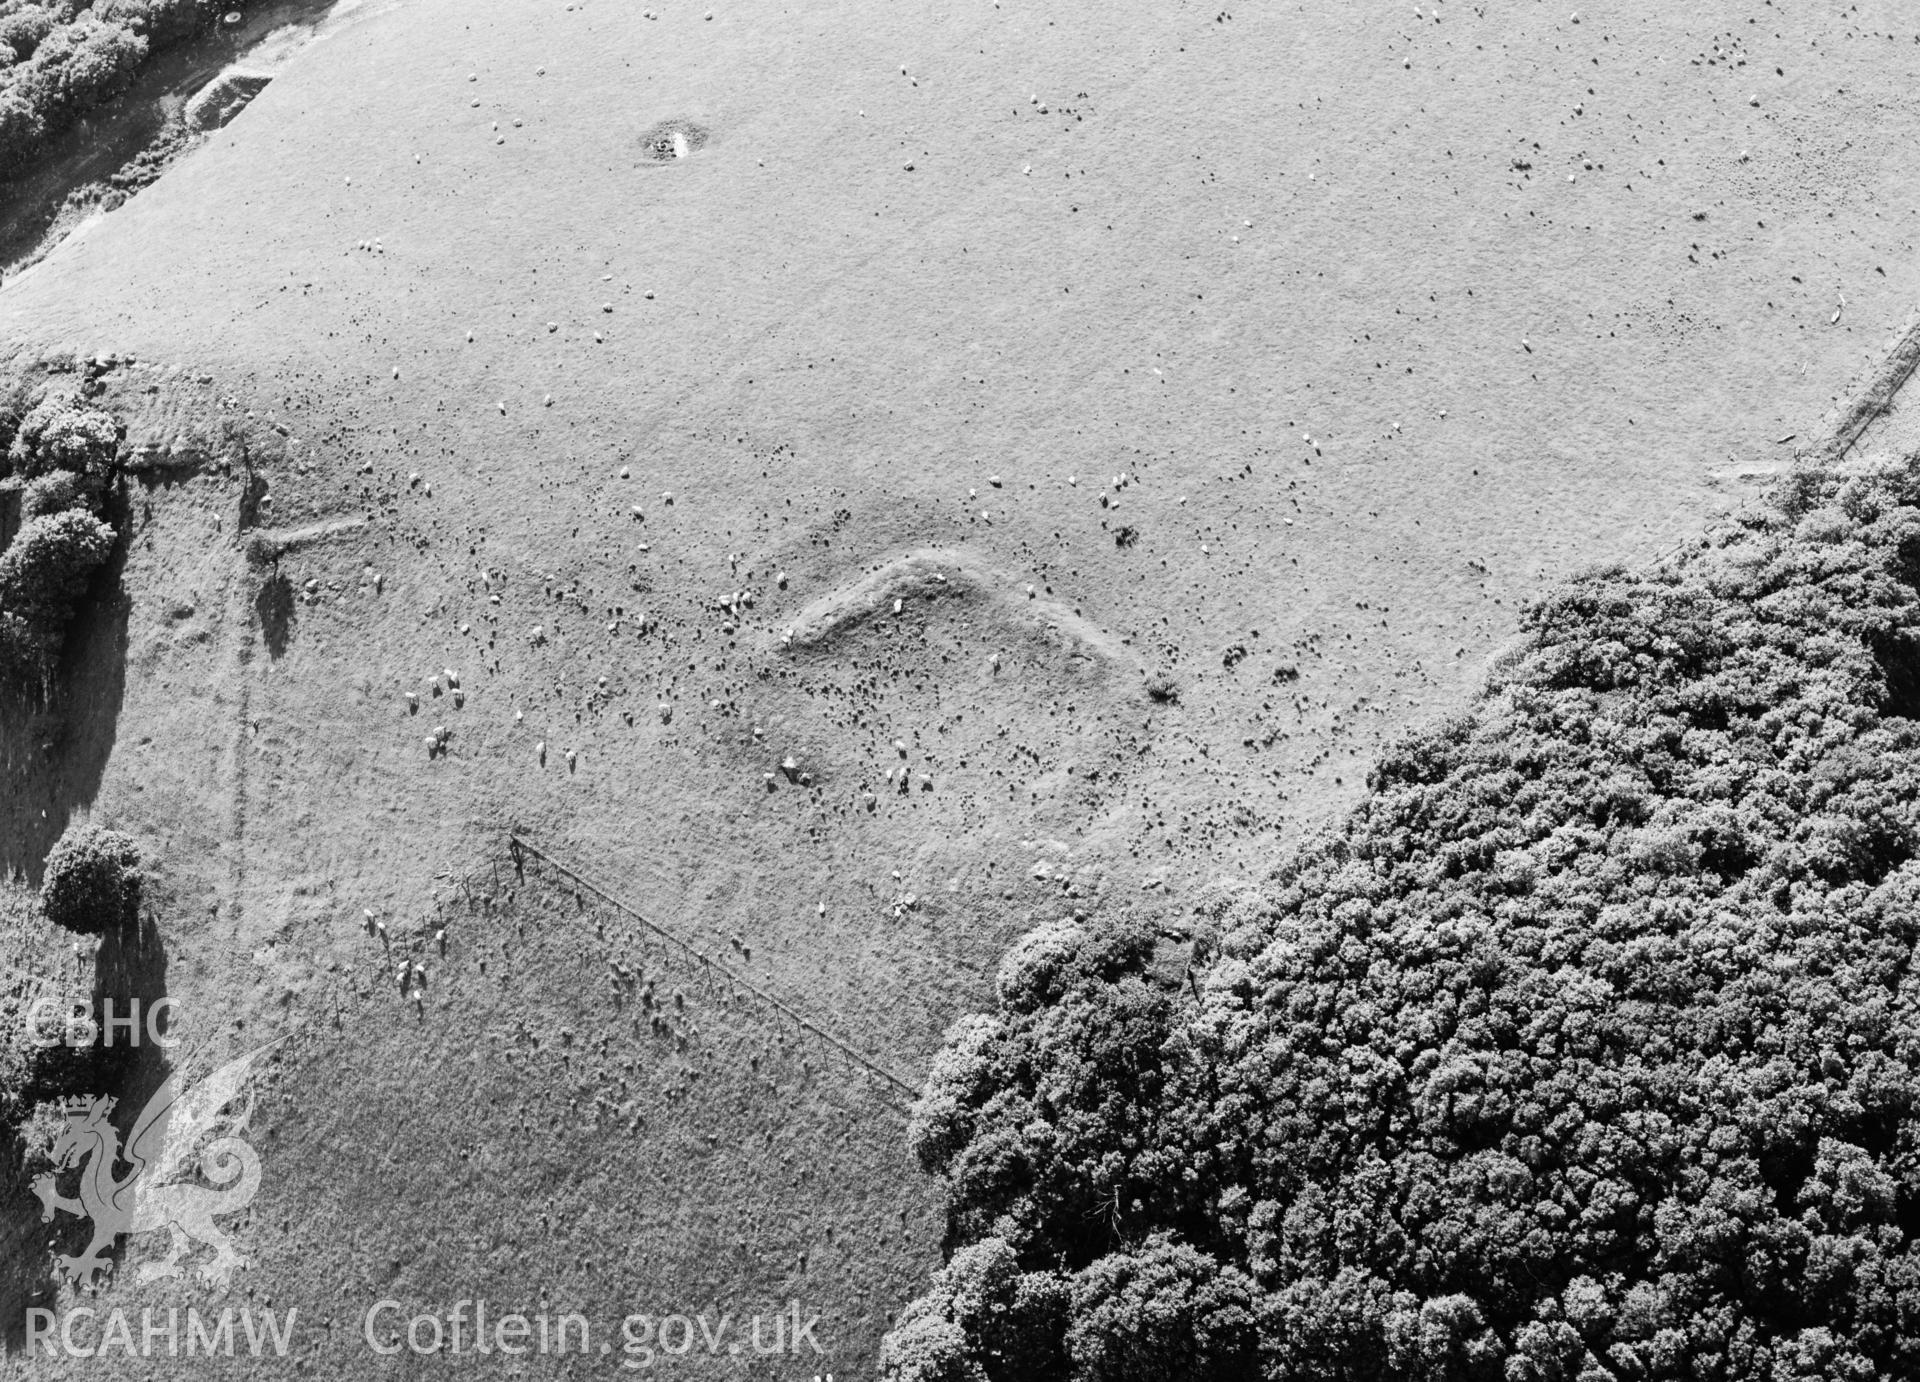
x,y
1013,358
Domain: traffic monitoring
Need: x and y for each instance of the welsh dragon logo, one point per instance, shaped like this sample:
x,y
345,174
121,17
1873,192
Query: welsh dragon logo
x,y
160,1151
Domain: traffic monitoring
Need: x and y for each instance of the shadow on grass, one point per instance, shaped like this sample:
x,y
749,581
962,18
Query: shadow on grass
x,y
130,969
53,755
274,606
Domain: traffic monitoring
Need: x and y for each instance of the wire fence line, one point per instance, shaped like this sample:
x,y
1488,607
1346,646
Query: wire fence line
x,y
490,885
521,849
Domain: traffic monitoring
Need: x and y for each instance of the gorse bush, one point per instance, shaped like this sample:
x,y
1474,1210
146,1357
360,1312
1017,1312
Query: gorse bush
x,y
92,882
1587,1048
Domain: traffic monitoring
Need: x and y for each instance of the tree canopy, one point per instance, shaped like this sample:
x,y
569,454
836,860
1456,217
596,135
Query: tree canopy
x,y
61,59
92,882
1587,1047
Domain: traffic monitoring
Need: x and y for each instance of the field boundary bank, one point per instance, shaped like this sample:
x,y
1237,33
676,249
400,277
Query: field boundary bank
x,y
1854,414
1874,398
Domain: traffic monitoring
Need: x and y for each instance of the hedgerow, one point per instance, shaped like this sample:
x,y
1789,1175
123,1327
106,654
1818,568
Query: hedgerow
x,y
1586,1048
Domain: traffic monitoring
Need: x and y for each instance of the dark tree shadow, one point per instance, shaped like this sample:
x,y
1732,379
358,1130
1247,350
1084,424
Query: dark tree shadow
x,y
274,606
130,971
26,1261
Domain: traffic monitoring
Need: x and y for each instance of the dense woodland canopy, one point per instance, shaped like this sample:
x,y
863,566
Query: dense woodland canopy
x,y
1586,1048
61,58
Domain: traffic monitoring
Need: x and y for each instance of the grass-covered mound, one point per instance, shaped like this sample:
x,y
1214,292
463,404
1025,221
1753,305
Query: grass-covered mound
x,y
1587,1048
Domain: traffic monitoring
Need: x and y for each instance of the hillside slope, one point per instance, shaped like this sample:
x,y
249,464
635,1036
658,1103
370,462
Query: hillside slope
x,y
1272,356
